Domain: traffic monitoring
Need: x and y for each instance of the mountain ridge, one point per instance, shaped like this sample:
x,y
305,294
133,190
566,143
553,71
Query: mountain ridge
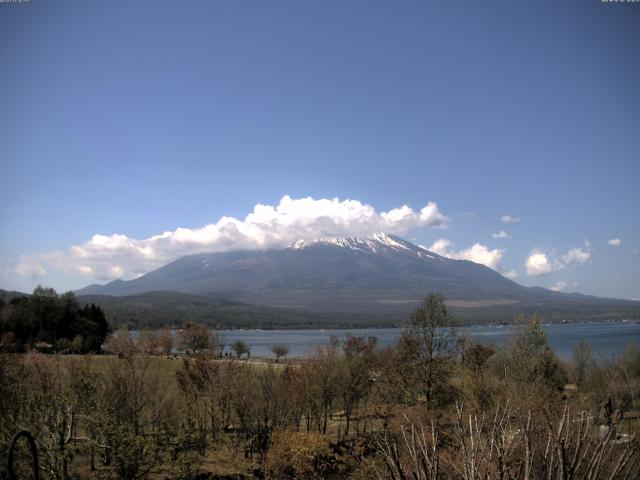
x,y
379,261
376,275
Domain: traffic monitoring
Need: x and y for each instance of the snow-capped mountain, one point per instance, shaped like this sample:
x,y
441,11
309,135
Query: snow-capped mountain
x,y
375,243
377,274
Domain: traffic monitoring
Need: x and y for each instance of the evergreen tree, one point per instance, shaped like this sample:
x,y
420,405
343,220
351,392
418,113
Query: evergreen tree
x,y
56,320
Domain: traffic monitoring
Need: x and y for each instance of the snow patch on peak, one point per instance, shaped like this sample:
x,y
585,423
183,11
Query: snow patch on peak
x,y
298,244
353,243
375,243
390,241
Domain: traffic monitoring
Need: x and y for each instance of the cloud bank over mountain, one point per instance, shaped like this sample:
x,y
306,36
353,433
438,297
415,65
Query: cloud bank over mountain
x,y
105,257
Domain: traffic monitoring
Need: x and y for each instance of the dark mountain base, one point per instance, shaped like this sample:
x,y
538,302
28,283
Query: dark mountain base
x,y
157,309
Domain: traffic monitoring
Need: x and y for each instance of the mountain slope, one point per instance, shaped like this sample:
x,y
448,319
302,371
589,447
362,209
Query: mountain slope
x,y
380,274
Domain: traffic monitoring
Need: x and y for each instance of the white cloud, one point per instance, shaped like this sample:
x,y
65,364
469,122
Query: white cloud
x,y
511,274
29,267
562,286
636,251
105,257
577,256
509,219
441,247
500,234
477,253
85,270
481,254
539,263
117,271
614,242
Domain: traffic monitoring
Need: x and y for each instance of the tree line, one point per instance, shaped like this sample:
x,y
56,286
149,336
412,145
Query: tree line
x,y
51,322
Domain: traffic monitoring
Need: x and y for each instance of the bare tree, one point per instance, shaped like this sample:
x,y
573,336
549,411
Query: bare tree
x,y
477,387
240,348
195,337
355,378
432,344
280,350
411,453
165,341
582,362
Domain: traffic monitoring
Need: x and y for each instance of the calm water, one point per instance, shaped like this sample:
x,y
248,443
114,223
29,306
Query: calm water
x,y
606,339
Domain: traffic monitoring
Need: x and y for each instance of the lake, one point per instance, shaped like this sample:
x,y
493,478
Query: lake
x,y
605,338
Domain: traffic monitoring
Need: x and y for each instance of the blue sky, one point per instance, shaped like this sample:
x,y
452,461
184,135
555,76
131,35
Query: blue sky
x,y
138,118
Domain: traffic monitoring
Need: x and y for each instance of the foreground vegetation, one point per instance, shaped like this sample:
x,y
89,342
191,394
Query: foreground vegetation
x,y
434,405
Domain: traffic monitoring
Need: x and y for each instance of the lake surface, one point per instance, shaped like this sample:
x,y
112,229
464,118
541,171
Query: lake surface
x,y
606,339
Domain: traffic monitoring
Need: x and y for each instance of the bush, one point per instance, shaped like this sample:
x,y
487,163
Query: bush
x,y
298,455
